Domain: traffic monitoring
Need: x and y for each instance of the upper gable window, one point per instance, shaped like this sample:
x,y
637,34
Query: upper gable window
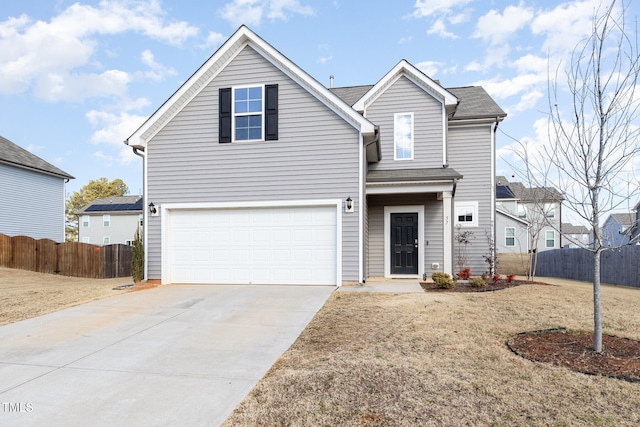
x,y
403,136
248,113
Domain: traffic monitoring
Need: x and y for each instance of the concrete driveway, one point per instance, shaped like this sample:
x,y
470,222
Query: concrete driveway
x,y
173,355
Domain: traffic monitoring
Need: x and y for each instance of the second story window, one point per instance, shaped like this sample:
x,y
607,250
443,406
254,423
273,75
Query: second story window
x,y
85,221
247,113
403,136
106,220
550,210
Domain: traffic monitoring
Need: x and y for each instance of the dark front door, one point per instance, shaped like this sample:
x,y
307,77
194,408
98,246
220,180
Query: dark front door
x,y
404,243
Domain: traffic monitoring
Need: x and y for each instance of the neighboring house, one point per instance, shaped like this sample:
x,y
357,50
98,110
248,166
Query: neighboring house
x,y
110,220
512,231
617,229
259,174
575,236
32,194
539,207
635,231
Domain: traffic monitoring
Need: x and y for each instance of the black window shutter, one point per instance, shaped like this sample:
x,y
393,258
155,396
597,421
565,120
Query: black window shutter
x,y
271,113
224,115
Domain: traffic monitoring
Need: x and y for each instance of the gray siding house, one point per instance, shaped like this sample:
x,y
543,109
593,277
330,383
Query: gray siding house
x,y
110,220
259,174
618,229
32,194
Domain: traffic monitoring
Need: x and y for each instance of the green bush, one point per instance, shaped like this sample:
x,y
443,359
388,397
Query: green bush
x,y
477,282
443,280
137,258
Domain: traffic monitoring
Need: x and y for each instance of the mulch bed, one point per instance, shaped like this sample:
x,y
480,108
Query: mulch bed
x,y
465,287
619,359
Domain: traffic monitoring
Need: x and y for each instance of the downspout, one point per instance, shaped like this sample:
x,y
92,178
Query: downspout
x,y
145,213
493,201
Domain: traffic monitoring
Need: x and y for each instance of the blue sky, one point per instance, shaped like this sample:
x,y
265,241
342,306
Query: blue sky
x,y
77,78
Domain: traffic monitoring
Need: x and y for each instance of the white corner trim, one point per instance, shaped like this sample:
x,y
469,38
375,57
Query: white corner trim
x,y
388,210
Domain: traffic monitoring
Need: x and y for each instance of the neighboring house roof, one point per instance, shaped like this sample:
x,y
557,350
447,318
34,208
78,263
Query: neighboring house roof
x,y
512,216
410,175
12,154
568,228
128,204
475,103
216,63
504,192
534,194
624,219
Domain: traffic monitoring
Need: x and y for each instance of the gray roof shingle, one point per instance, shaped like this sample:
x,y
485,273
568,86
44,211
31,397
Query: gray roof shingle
x,y
14,155
568,228
474,101
625,219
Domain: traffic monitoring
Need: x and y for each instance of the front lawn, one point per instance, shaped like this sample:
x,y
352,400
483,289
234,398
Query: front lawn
x,y
441,359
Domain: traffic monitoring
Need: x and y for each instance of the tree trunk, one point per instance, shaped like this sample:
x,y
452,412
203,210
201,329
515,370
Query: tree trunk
x,y
597,311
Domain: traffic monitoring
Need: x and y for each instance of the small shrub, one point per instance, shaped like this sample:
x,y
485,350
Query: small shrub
x,y
443,280
510,277
496,278
137,258
477,282
464,274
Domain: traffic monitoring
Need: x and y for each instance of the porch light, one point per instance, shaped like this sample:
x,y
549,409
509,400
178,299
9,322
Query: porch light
x,y
348,204
152,209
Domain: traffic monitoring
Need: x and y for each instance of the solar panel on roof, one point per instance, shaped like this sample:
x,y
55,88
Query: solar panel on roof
x,y
115,207
504,192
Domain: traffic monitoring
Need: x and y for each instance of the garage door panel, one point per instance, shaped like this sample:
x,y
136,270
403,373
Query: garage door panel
x,y
261,245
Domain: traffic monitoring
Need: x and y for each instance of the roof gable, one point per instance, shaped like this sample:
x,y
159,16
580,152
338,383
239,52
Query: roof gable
x,y
217,62
403,68
17,156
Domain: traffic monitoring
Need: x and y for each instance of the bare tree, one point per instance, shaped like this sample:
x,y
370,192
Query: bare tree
x,y
593,139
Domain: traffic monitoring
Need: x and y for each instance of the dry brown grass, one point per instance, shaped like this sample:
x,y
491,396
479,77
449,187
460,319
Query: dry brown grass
x,y
26,294
441,359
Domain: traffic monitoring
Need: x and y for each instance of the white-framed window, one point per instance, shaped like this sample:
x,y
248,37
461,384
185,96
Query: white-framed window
x,y
510,236
403,136
106,220
550,210
550,239
522,211
85,240
248,117
106,240
141,219
85,221
466,214
128,242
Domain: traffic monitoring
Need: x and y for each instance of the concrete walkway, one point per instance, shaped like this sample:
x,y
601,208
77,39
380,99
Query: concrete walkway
x,y
385,285
173,355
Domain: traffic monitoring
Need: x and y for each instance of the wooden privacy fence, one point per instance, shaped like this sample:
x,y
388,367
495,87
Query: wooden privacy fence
x,y
68,259
619,266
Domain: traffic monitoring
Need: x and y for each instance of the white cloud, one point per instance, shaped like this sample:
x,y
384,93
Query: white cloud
x,y
158,71
439,28
47,55
496,28
213,39
251,12
404,40
518,85
430,68
324,59
113,129
426,8
282,9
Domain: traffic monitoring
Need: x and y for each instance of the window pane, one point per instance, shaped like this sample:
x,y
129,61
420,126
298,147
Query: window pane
x,y
255,133
241,107
255,106
248,127
255,93
242,94
403,136
511,241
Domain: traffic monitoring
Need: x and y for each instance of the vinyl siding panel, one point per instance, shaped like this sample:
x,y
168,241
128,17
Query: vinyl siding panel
x,y
315,157
121,228
433,230
405,97
31,204
521,235
470,153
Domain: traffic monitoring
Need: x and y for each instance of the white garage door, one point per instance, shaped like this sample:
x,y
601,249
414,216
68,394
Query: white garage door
x,y
292,245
